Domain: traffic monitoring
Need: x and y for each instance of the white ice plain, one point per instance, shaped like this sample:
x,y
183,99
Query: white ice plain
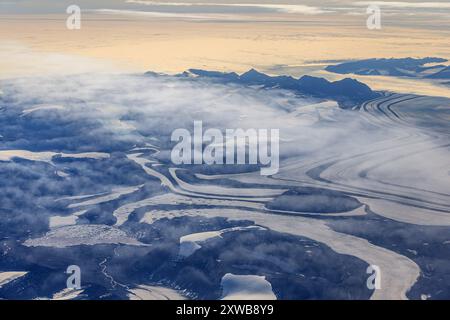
x,y
193,242
246,287
146,292
47,156
86,234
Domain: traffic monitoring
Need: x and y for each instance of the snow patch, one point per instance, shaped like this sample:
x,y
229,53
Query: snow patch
x,y
6,277
117,193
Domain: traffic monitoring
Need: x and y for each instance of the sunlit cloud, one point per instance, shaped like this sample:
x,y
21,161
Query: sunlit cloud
x,y
284,8
156,14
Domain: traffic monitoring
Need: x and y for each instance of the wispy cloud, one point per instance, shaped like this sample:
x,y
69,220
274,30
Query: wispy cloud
x,y
404,4
284,8
155,14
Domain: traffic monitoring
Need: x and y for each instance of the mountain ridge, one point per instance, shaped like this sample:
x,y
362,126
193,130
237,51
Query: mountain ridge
x,y
347,92
396,67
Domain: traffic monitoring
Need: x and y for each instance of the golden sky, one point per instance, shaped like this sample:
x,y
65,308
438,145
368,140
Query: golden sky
x,y
274,43
169,45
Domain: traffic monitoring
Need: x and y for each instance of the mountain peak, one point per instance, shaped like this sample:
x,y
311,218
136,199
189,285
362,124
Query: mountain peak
x,y
254,75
